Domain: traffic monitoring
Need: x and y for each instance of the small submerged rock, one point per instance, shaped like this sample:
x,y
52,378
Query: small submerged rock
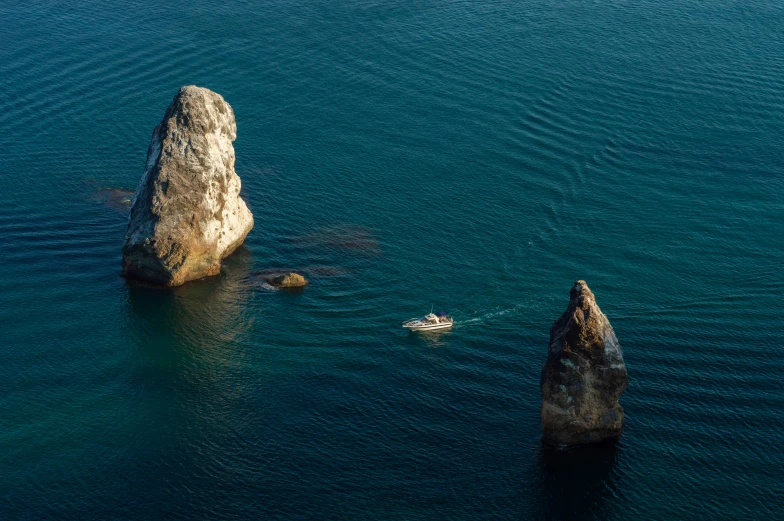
x,y
357,240
584,375
287,280
327,271
115,198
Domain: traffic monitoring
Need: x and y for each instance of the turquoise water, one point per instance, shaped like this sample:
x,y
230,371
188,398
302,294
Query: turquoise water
x,y
475,156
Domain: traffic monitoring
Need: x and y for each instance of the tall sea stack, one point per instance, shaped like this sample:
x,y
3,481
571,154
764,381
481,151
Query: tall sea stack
x,y
584,375
187,214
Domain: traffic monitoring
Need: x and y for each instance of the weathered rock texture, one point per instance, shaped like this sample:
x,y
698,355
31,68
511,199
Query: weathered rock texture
x,y
187,214
584,375
288,280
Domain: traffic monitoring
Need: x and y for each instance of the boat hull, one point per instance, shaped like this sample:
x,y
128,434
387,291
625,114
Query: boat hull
x,y
428,327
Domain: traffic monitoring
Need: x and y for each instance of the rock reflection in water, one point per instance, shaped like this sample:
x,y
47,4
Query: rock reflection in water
x,y
575,483
190,375
207,313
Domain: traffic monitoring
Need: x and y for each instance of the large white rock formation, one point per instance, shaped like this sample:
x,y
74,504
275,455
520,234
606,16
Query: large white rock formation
x,y
187,214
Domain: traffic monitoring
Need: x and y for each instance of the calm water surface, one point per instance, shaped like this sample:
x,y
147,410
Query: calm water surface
x,y
475,156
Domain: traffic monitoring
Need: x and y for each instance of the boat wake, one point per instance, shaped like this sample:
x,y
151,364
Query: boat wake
x,y
492,315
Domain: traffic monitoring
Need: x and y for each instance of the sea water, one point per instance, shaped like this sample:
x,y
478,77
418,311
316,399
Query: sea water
x,y
477,157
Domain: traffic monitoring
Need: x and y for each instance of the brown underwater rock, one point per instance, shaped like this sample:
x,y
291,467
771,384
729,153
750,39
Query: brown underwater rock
x,y
187,214
584,375
288,280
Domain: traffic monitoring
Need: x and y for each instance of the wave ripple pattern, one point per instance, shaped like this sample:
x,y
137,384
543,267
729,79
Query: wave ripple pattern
x,y
478,157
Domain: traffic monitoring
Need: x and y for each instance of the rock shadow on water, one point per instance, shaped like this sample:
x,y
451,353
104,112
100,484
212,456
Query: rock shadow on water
x,y
576,483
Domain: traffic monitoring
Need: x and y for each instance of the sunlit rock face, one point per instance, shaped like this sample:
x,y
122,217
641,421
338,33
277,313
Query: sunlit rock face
x,y
288,280
187,214
584,375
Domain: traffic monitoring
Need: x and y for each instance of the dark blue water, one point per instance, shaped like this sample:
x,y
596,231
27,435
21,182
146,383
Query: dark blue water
x,y
475,156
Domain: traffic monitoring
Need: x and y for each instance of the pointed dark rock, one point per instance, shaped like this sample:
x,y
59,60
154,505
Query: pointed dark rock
x,y
584,375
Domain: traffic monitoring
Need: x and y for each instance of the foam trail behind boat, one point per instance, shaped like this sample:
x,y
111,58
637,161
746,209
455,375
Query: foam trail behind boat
x,y
486,317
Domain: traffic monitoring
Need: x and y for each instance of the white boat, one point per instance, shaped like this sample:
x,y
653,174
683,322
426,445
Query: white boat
x,y
430,322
